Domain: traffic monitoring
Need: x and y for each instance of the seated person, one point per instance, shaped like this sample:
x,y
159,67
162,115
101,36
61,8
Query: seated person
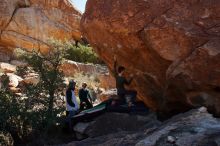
x,y
85,98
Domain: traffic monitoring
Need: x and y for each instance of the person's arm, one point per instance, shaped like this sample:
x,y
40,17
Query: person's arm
x,y
80,94
69,98
89,96
128,82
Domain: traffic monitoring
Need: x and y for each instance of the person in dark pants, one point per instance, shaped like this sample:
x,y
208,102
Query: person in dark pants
x,y
71,103
123,94
85,98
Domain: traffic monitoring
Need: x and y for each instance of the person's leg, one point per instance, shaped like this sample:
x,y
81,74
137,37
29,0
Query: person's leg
x,y
70,115
131,95
88,104
83,105
121,100
67,113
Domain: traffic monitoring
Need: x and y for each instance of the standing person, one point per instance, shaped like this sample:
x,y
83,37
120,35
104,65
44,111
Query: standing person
x,y
85,98
71,102
121,81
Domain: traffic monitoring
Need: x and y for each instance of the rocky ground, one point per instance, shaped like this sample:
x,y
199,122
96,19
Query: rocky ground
x,y
193,128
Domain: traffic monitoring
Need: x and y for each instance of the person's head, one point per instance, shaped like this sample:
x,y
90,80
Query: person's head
x,y
72,84
84,85
121,69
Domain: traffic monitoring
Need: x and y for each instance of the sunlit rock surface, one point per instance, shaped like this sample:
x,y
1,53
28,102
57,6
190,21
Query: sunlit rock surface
x,y
30,23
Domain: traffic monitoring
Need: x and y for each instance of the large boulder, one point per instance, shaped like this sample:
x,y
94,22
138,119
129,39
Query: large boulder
x,y
171,46
111,129
193,128
30,23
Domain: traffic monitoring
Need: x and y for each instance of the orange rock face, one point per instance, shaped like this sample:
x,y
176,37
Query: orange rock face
x,y
30,23
173,47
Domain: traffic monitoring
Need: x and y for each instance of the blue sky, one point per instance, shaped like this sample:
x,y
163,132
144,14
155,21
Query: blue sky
x,y
79,4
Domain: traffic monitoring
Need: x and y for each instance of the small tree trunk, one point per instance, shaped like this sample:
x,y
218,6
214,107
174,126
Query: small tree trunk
x,y
50,105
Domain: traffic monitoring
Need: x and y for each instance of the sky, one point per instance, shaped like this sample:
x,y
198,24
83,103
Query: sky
x,y
79,4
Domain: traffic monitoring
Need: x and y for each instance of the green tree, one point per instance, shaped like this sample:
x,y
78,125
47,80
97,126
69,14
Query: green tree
x,y
51,77
12,113
82,53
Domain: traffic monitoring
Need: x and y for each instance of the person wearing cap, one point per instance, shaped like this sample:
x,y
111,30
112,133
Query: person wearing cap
x,y
85,98
71,103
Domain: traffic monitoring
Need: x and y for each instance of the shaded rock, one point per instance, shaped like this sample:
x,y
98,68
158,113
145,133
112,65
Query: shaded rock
x,y
123,138
193,128
81,127
111,129
117,122
29,24
171,139
7,68
171,46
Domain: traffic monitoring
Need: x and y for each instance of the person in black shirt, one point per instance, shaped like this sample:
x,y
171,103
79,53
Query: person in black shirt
x,y
85,98
121,81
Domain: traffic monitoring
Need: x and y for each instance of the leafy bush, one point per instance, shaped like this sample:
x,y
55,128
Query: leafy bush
x,y
82,53
51,77
12,119
38,111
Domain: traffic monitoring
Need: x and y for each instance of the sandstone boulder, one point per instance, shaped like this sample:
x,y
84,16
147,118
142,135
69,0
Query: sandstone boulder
x,y
173,47
7,68
70,68
5,54
18,63
107,81
105,95
14,79
30,23
31,79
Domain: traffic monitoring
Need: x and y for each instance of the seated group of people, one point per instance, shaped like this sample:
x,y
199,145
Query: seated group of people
x,y
72,106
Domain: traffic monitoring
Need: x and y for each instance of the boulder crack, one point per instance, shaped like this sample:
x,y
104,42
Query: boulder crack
x,y
11,19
